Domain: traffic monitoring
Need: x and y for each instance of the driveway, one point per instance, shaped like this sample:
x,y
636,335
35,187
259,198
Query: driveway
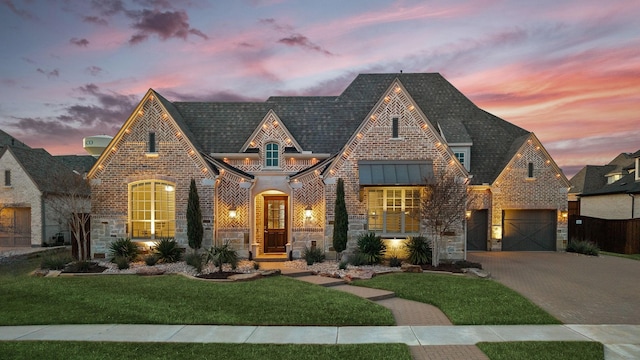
x,y
576,289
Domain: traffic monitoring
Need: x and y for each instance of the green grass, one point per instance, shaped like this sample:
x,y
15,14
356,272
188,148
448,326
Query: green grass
x,y
543,350
626,256
70,350
174,299
465,301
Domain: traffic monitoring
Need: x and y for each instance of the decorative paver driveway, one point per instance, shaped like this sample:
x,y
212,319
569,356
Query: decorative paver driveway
x,y
576,289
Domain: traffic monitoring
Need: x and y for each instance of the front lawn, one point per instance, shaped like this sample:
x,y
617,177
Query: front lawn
x,y
465,301
71,350
175,299
543,350
626,256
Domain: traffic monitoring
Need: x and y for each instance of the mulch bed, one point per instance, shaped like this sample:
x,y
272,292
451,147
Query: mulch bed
x,y
217,275
92,268
452,267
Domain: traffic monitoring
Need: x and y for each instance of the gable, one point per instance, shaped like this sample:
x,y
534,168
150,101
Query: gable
x,y
531,158
416,138
271,130
133,141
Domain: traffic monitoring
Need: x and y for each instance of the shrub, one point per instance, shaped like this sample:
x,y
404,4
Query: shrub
x,y
371,247
357,259
122,262
223,254
256,265
196,260
394,261
124,248
583,247
55,262
80,266
464,264
418,250
151,259
313,255
343,265
167,250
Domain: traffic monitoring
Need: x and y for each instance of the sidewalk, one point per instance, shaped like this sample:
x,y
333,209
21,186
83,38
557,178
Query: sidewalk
x,y
622,341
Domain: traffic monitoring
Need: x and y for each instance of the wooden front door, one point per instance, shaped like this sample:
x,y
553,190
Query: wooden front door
x,y
275,224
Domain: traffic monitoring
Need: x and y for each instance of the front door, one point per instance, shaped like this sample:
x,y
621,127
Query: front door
x,y
275,224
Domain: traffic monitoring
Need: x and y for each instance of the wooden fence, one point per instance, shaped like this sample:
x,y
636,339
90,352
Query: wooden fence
x,y
619,236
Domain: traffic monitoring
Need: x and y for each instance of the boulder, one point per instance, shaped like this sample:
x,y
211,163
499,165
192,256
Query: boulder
x,y
244,277
478,272
149,271
411,268
269,272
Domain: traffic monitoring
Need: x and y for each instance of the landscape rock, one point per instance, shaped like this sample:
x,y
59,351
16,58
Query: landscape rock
x,y
269,272
53,273
411,268
245,277
478,272
149,271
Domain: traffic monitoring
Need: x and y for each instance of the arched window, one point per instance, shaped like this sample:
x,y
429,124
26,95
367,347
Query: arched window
x,y
152,209
271,155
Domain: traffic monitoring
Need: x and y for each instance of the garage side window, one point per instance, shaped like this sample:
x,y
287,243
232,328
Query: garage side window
x,y
152,212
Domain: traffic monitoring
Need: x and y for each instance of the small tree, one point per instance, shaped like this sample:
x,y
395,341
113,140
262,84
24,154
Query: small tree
x,y
341,220
443,208
195,229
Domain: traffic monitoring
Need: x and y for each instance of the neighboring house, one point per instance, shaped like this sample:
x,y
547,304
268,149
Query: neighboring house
x,y
34,205
609,191
266,171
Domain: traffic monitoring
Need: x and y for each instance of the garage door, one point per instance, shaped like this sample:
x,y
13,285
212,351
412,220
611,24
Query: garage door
x,y
15,227
477,230
529,230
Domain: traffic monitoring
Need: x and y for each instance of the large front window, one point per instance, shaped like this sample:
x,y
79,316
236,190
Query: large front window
x,y
152,213
394,210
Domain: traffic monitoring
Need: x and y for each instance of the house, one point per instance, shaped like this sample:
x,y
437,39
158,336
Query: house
x,y
36,186
266,171
608,191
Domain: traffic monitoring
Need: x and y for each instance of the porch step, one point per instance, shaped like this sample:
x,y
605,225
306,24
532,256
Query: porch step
x,y
322,280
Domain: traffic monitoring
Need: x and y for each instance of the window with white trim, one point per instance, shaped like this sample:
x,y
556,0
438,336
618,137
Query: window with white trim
x,y
272,155
152,213
394,210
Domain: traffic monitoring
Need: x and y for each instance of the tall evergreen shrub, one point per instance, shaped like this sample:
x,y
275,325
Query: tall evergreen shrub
x,y
341,220
194,218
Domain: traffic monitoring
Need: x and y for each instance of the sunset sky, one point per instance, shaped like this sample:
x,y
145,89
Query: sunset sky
x,y
567,70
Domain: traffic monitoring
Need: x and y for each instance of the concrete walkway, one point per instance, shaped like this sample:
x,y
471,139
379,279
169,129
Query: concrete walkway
x,y
621,340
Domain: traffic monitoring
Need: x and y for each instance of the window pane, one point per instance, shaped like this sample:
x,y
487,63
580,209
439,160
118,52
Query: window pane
x,y
152,210
375,211
271,155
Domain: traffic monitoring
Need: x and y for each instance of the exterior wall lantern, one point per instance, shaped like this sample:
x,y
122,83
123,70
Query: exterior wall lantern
x,y
233,212
467,214
307,212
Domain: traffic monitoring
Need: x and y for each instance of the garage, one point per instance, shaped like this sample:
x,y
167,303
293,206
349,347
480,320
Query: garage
x,y
529,230
15,227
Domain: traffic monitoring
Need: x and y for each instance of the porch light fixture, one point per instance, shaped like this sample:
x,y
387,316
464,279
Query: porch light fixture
x,y
564,214
233,212
467,214
307,212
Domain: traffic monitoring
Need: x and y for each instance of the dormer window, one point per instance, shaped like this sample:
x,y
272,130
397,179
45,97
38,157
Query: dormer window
x,y
613,178
463,154
272,155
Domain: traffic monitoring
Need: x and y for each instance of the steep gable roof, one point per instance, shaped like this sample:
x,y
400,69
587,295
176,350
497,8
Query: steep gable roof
x,y
592,179
6,139
79,163
324,124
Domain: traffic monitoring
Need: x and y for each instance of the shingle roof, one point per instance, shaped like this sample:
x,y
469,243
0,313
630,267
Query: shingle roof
x,y
6,139
592,179
80,163
324,124
48,174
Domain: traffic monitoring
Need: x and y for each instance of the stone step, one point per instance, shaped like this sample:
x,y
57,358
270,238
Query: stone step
x,y
295,273
367,293
322,280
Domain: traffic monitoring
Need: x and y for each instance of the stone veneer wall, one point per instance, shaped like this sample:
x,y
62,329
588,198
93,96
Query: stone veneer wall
x,y
129,161
22,194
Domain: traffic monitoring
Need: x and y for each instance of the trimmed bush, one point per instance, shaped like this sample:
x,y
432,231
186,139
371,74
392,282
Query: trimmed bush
x,y
313,255
168,250
418,250
151,259
124,248
223,254
395,262
583,247
371,247
357,259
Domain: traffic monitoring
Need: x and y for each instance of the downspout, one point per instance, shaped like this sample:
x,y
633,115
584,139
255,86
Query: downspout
x,y
633,204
